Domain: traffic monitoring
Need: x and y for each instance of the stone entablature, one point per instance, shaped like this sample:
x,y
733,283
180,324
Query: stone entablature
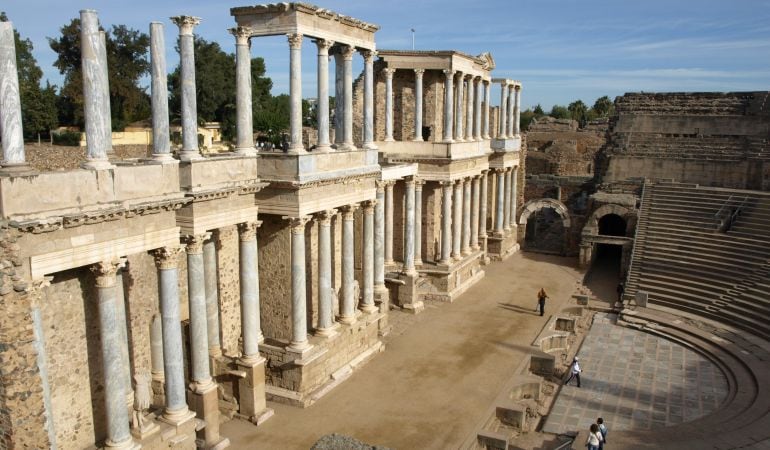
x,y
434,150
316,167
477,66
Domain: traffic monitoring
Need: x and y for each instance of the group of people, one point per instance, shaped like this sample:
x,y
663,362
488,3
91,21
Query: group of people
x,y
597,435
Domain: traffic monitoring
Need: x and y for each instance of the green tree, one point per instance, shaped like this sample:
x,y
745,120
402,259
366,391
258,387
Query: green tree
x,y
538,111
604,107
559,112
273,117
38,105
577,111
526,118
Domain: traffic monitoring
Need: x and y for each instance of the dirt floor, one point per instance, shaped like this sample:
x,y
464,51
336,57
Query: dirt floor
x,y
440,371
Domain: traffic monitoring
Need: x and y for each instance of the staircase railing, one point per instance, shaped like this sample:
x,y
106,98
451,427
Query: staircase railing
x,y
636,234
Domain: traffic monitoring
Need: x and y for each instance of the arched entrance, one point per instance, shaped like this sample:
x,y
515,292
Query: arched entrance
x,y
605,246
544,226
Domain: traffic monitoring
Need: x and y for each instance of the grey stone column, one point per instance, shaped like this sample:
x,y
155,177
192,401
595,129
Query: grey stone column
x,y
418,74
379,238
325,306
503,111
483,205
418,222
470,113
475,213
167,260
156,348
347,308
120,317
477,108
457,220
118,433
409,228
389,104
200,372
466,239
212,297
244,128
448,105
347,109
249,283
446,222
322,112
190,149
514,177
487,90
11,132
368,124
95,102
511,98
507,201
161,141
367,255
517,111
299,340
295,93
106,114
389,223
499,201
459,108
339,99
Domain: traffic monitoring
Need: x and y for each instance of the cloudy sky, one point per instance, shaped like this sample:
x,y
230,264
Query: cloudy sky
x,y
561,50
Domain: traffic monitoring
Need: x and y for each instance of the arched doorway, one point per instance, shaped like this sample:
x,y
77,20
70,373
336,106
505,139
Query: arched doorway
x,y
545,225
606,243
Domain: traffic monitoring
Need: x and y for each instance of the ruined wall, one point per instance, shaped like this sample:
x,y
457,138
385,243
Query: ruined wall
x,y
47,157
559,147
228,264
274,244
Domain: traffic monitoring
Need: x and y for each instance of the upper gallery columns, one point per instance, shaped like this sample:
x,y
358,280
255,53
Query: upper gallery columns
x,y
510,108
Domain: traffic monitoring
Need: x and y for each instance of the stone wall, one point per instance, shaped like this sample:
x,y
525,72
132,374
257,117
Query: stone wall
x,y
47,157
274,244
228,284
560,147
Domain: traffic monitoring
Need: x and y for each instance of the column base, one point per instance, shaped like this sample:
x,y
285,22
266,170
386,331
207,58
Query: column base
x,y
177,418
347,320
328,331
299,347
16,169
370,146
323,148
128,444
190,155
161,158
251,388
97,164
369,309
246,151
205,402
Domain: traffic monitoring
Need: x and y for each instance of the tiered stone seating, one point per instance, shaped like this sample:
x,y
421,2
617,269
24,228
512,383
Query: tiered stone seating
x,y
687,265
707,104
723,148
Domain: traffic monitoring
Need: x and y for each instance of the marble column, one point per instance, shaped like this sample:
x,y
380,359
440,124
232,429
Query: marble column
x,y
295,94
156,348
161,140
120,317
251,331
106,113
448,105
118,433
483,206
389,104
469,112
325,307
368,124
95,102
499,201
459,107
446,222
514,188
379,238
466,236
418,74
389,223
477,108
347,307
418,222
507,206
347,109
190,149
511,97
409,228
487,86
322,110
200,372
475,213
244,129
367,255
167,260
299,340
503,111
457,220
11,132
517,111
339,99
212,296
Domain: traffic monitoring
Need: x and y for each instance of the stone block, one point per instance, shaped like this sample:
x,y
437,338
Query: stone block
x,y
512,414
492,440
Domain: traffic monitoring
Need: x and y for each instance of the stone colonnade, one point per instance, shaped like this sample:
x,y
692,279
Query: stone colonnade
x,y
510,109
504,215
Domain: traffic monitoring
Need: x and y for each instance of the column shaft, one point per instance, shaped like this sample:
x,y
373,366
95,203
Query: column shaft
x,y
120,309
499,201
347,313
161,141
409,228
389,104
510,110
477,110
418,222
514,188
446,222
367,299
486,109
459,108
322,111
418,74
249,284
483,206
507,201
475,214
11,131
389,223
95,102
457,220
517,112
368,124
156,347
470,114
200,372
379,238
448,105
325,307
339,99
298,285
295,93
347,109
466,239
244,128
212,296
503,111
189,101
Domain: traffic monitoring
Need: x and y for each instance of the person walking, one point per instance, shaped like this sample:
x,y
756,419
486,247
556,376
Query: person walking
x,y
574,371
603,431
594,440
541,296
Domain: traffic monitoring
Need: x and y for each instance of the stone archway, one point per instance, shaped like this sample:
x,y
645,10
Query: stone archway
x,y
534,206
591,239
592,224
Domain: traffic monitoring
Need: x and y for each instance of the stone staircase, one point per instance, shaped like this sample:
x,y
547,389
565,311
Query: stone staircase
x,y
685,103
686,265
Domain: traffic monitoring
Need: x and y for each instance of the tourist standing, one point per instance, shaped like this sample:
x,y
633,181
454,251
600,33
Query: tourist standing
x,y
603,431
574,371
594,440
541,296
620,289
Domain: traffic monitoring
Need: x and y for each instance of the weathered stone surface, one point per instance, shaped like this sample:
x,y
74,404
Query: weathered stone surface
x,y
341,442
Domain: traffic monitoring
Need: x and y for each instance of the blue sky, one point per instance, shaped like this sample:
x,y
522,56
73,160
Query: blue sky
x,y
561,50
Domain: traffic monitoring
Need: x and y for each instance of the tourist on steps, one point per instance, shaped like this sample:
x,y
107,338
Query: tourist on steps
x,y
603,431
594,440
621,289
541,296
574,371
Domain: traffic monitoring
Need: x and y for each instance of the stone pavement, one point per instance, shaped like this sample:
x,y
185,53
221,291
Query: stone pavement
x,y
636,381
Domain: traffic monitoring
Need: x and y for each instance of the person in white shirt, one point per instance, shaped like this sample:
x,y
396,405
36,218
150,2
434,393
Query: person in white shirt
x,y
594,439
574,371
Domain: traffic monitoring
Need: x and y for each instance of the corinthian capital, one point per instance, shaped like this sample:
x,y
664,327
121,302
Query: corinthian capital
x,y
242,35
166,257
186,24
295,40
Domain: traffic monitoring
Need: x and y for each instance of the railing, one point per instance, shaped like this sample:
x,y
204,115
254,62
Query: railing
x,y
728,214
636,234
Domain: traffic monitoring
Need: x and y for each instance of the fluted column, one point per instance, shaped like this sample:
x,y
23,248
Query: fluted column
x,y
367,255
295,93
466,237
347,110
200,372
299,340
418,222
118,434
325,306
167,261
347,308
210,276
477,85
507,201
389,104
469,112
368,125
448,105
514,187
322,111
487,90
446,222
418,74
475,213
503,111
11,132
517,111
244,129
161,141
483,206
409,228
457,220
389,223
459,107
249,283
96,99
499,201
379,238
339,99
190,149
156,348
511,98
